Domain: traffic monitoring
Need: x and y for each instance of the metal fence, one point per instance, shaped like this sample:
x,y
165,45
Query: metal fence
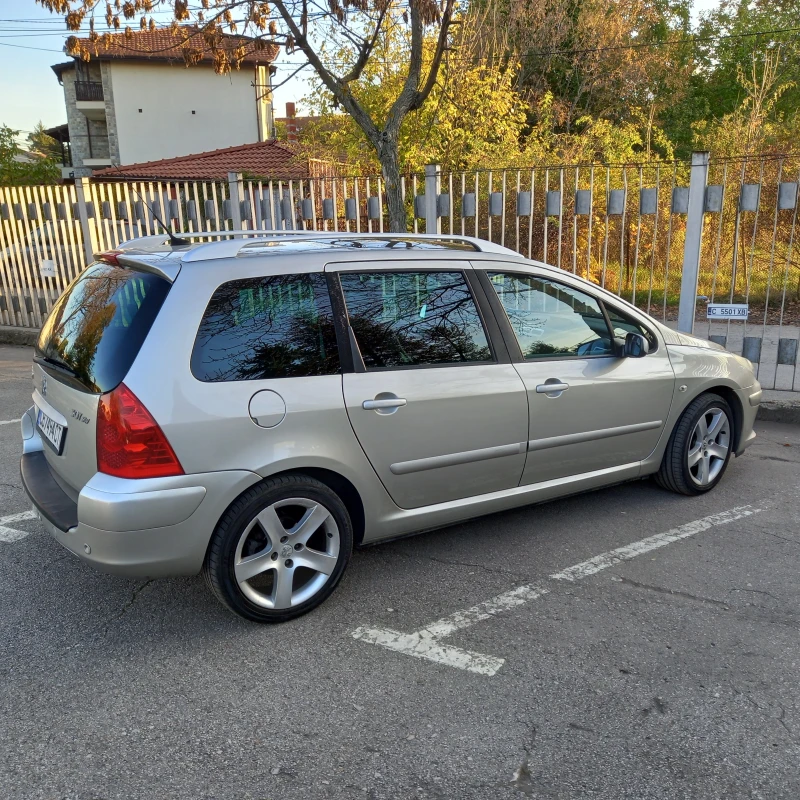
x,y
673,238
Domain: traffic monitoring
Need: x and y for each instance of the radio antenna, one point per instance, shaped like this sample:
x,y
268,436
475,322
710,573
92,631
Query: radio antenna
x,y
174,240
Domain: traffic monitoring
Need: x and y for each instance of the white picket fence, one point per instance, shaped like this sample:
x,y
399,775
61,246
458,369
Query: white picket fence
x,y
635,229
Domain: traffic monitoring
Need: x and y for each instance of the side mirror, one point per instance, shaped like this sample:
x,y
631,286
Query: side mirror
x,y
635,346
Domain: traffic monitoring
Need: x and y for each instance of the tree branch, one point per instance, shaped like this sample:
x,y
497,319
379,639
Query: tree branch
x,y
333,83
366,50
441,46
275,86
412,97
402,105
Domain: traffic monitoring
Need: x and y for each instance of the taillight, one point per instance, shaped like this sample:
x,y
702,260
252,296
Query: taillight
x,y
109,257
129,442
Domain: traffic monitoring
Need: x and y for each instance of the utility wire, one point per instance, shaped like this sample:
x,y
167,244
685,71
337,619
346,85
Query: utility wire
x,y
401,62
691,39
26,47
686,40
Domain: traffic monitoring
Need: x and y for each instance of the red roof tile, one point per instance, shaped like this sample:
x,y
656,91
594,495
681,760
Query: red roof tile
x,y
164,44
263,159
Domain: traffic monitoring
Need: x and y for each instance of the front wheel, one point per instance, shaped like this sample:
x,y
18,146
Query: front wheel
x,y
280,549
699,448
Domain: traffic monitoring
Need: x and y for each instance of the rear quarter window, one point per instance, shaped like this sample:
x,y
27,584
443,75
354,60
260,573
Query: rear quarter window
x,y
272,327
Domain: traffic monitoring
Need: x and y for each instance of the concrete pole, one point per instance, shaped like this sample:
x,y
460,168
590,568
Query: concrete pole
x,y
693,242
82,194
433,178
235,195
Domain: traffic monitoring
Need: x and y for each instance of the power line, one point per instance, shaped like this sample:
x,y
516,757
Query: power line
x,y
22,33
27,47
686,40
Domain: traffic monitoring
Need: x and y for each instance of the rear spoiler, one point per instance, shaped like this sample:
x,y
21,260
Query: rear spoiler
x,y
156,264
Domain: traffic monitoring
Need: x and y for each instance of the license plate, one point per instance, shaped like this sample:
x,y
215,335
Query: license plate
x,y
727,311
53,432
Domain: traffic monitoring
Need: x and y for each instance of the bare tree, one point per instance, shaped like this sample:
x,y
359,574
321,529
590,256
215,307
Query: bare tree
x,y
297,25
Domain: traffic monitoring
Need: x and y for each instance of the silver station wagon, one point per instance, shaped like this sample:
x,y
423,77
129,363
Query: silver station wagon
x,y
255,407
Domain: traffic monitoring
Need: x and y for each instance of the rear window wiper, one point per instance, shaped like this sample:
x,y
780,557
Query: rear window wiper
x,y
58,365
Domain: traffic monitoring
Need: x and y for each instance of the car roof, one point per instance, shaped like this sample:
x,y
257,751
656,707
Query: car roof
x,y
157,254
285,243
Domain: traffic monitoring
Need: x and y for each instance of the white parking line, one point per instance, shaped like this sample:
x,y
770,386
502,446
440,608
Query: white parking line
x,y
8,421
486,610
8,535
606,560
426,642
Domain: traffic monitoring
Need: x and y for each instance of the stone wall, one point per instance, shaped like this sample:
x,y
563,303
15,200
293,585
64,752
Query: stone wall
x,y
111,117
78,138
81,128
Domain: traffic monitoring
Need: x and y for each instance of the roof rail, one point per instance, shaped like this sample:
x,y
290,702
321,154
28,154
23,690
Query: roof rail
x,y
161,239
230,248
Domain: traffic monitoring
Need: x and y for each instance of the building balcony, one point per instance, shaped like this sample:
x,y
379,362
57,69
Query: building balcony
x,y
89,90
89,99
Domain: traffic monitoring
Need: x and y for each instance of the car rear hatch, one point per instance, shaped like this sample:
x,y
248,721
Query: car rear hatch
x,y
85,349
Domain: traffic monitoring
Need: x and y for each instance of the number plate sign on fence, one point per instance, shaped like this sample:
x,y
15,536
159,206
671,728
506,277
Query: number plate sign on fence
x,y
727,311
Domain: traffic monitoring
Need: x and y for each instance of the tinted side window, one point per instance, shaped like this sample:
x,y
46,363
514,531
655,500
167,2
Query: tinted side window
x,y
405,319
551,319
275,327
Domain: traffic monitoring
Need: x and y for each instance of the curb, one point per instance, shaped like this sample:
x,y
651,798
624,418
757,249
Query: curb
x,y
787,411
25,337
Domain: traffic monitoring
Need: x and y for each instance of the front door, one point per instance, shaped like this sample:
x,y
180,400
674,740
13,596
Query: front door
x,y
437,414
590,409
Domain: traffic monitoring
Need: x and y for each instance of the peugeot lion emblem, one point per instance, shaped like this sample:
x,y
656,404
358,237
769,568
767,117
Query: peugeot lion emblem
x,y
44,387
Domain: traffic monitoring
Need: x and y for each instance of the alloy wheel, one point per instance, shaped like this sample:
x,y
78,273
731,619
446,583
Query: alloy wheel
x,y
709,446
286,553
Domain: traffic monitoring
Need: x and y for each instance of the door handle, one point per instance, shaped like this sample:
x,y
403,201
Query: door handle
x,y
382,403
552,387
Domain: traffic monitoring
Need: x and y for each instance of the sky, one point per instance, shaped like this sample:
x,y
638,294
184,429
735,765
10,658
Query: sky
x,y
32,39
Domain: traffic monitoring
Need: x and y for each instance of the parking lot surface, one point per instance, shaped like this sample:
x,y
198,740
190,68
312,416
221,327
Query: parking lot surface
x,y
627,643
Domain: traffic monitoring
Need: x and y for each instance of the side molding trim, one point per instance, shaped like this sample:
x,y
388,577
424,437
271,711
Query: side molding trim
x,y
454,459
591,436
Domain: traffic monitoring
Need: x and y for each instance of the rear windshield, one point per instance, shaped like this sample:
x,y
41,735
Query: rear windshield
x,y
98,325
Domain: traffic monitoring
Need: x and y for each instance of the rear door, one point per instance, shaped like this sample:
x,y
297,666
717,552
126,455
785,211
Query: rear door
x,y
590,408
86,348
437,407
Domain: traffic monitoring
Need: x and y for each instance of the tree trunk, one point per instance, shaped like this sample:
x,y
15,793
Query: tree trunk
x,y
390,167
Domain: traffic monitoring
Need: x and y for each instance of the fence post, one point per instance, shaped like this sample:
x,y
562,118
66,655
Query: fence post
x,y
82,192
235,195
433,177
691,247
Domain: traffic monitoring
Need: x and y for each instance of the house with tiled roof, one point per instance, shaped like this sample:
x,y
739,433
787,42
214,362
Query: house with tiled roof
x,y
135,100
269,160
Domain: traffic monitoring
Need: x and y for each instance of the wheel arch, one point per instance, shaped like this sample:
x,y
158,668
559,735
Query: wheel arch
x,y
730,396
343,487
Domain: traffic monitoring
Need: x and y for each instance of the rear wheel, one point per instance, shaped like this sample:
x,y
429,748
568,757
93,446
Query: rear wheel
x,y
280,549
699,448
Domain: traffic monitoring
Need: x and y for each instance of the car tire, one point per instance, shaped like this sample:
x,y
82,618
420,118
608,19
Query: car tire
x,y
293,533
694,463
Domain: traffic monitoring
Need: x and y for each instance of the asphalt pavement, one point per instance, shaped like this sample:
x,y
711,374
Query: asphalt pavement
x,y
627,643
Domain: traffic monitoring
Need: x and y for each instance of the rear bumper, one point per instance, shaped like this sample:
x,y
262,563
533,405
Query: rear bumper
x,y
138,528
155,553
48,498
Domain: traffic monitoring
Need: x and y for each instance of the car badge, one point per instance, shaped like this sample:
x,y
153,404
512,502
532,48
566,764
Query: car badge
x,y
44,387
